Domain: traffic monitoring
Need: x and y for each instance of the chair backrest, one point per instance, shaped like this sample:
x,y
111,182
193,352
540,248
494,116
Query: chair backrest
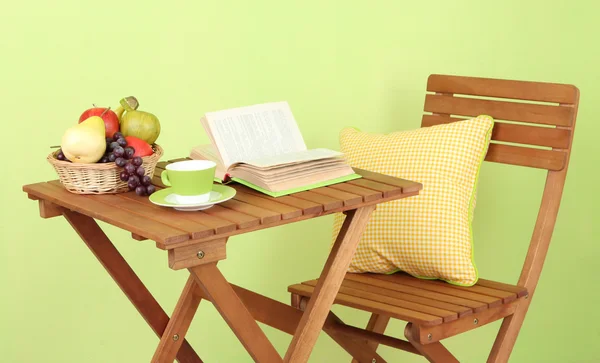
x,y
534,125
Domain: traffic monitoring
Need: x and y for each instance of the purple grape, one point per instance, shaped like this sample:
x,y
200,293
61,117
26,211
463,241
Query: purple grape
x,y
132,184
104,159
146,180
130,169
109,140
120,162
124,176
113,145
140,190
112,157
129,151
117,136
137,161
150,189
60,155
122,142
140,171
135,178
118,151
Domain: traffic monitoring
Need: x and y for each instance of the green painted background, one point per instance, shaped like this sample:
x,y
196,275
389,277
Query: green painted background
x,y
338,63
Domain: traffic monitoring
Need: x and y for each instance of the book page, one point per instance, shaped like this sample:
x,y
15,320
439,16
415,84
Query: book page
x,y
293,157
254,132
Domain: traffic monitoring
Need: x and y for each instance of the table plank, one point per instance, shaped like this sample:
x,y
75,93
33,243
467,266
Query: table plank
x,y
348,198
407,186
92,206
217,224
328,203
286,211
266,216
368,195
306,206
240,219
386,189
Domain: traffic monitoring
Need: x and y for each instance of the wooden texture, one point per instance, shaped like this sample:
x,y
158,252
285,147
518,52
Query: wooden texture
x,y
49,210
550,123
511,111
329,283
123,275
178,325
282,317
423,302
464,324
248,211
434,352
186,257
235,313
377,324
503,88
515,133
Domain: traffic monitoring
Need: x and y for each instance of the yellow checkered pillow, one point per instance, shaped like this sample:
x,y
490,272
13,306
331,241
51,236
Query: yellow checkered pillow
x,y
428,235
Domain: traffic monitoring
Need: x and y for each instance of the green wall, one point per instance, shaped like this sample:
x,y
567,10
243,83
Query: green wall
x,y
338,63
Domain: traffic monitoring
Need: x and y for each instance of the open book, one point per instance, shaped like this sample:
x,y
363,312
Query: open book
x,y
261,147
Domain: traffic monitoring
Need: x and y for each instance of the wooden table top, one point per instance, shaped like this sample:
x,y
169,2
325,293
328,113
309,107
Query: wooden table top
x,y
247,211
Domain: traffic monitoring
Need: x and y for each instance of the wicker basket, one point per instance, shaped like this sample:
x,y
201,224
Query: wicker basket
x,y
98,178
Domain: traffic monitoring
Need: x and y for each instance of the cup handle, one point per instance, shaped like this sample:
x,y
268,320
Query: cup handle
x,y
165,178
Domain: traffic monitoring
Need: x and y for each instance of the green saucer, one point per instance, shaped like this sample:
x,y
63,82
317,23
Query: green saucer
x,y
166,198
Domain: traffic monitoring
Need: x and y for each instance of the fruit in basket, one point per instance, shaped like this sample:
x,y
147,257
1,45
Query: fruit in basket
x,y
131,103
85,142
141,147
140,124
111,120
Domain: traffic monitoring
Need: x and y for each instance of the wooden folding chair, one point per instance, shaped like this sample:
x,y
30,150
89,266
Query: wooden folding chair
x,y
436,310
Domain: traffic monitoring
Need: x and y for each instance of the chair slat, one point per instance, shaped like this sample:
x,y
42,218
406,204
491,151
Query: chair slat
x,y
500,88
403,279
501,110
520,134
477,306
458,309
374,307
506,296
446,315
535,158
518,290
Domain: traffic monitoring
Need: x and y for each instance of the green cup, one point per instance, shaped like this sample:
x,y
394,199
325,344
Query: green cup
x,y
191,180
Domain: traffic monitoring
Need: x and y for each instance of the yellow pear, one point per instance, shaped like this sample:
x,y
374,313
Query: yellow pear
x,y
85,142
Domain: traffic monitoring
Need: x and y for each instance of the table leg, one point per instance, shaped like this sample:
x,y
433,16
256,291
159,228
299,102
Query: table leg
x,y
235,313
125,277
179,323
328,286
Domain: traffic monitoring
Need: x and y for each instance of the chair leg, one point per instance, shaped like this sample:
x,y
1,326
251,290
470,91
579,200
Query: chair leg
x,y
377,324
507,335
434,352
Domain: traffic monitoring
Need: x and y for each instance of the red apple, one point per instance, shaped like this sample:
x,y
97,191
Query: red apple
x,y
141,147
111,120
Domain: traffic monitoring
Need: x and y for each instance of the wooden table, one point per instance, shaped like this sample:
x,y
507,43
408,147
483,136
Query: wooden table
x,y
197,241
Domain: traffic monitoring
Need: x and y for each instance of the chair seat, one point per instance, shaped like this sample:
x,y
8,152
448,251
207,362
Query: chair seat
x,y
419,301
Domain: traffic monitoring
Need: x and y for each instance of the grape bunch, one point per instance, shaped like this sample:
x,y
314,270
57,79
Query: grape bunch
x,y
133,172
